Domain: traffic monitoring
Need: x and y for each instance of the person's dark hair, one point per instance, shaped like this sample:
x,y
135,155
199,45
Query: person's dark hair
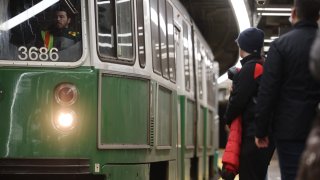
x,y
65,9
307,9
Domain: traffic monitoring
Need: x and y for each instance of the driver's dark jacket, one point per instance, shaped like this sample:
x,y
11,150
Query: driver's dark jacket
x,y
242,97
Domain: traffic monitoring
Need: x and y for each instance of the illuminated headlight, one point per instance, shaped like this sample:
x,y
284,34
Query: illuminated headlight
x,y
65,120
66,94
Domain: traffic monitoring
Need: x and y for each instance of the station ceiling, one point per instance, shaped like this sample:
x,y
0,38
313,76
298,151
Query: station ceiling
x,y
218,24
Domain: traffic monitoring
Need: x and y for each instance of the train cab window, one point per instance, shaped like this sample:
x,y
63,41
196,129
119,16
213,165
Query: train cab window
x,y
141,41
186,56
171,44
40,31
115,30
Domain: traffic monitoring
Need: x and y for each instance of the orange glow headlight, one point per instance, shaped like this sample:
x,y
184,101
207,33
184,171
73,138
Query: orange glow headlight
x,y
65,120
66,94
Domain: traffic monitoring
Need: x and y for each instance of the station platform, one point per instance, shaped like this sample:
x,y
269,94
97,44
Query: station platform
x,y
273,170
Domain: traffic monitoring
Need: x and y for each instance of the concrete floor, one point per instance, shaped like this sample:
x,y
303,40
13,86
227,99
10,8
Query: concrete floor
x,y
274,170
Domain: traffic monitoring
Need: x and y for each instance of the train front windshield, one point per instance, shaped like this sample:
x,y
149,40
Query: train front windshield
x,y
40,31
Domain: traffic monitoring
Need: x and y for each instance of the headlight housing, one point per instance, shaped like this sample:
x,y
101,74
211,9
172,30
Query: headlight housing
x,y
66,94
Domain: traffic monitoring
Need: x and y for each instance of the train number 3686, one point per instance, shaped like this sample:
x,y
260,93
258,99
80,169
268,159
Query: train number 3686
x,y
34,54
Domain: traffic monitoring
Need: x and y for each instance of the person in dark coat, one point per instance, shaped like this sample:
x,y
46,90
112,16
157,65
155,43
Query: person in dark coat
x,y
309,166
253,161
287,91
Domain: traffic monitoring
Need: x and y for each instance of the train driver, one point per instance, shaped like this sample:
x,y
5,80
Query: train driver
x,y
60,34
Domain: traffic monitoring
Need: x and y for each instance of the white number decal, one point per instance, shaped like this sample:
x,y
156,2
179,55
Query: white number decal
x,y
34,53
24,55
43,54
54,54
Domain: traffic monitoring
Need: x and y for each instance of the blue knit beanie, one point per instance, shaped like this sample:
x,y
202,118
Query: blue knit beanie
x,y
251,40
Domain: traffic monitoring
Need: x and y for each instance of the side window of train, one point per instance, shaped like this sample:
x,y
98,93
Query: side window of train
x,y
200,69
171,44
155,41
52,33
210,78
141,41
115,31
186,56
162,38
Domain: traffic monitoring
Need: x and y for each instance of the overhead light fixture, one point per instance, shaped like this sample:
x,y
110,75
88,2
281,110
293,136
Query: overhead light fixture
x,y
274,14
268,40
274,9
241,13
27,14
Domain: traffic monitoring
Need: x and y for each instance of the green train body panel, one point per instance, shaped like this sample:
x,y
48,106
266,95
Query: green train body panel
x,y
124,113
196,156
187,118
130,119
28,107
165,118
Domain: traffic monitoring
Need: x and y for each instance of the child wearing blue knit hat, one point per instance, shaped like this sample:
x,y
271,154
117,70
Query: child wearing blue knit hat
x,y
241,155
251,40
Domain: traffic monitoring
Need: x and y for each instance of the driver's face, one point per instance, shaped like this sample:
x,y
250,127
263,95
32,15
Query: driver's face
x,y
62,20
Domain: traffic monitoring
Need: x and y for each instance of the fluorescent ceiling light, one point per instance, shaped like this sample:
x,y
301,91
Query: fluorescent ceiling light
x,y
103,2
274,9
242,16
241,13
274,14
122,1
27,14
268,40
